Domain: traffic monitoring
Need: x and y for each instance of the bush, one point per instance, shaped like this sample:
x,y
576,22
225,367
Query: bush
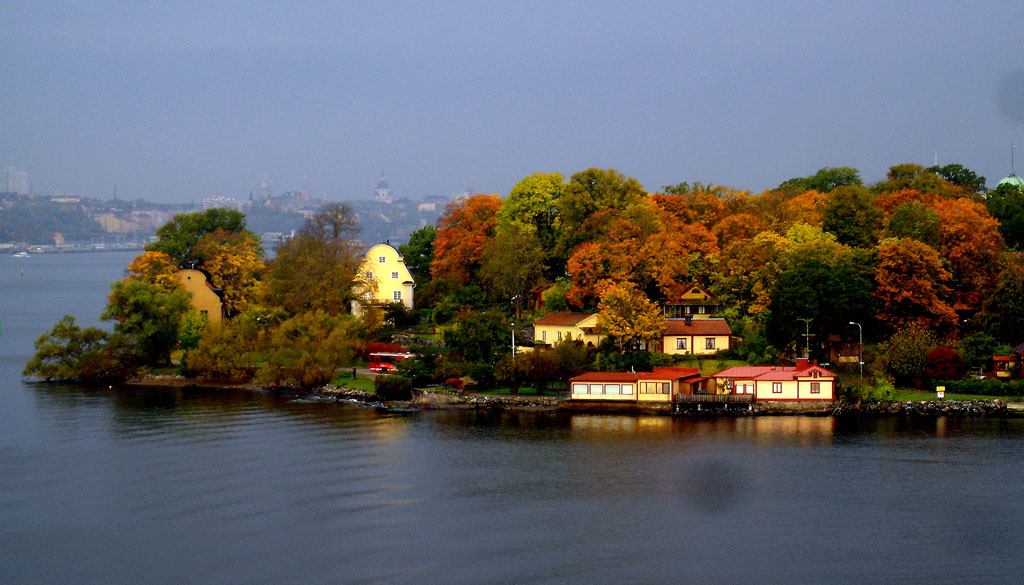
x,y
454,383
881,390
393,387
984,387
483,375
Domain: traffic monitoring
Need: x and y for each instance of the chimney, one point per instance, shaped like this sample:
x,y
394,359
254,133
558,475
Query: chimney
x,y
801,364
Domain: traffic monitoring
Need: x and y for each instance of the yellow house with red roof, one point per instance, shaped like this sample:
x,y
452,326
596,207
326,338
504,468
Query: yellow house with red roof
x,y
554,327
803,382
695,336
661,385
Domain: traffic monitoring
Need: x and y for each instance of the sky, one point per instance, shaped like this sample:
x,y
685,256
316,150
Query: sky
x,y
179,101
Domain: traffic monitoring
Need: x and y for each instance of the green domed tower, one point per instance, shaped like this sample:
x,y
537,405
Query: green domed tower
x,y
1013,179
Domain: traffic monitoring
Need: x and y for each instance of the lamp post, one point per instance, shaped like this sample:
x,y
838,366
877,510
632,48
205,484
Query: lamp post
x,y
807,337
860,349
513,342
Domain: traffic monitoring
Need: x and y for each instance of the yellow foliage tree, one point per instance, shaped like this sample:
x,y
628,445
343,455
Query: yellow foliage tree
x,y
628,316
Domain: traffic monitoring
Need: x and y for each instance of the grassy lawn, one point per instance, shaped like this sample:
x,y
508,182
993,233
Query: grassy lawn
x,y
347,381
917,395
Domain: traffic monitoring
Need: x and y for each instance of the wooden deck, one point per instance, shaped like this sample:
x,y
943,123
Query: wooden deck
x,y
714,398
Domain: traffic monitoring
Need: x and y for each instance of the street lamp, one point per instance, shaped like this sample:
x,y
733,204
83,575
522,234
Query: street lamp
x,y
807,337
513,342
860,349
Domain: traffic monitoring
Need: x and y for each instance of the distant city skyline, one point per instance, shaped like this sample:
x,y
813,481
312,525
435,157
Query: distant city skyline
x,y
175,103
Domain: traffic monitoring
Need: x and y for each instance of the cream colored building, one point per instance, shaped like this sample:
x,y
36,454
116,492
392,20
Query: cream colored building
x,y
803,382
387,279
204,297
554,327
695,336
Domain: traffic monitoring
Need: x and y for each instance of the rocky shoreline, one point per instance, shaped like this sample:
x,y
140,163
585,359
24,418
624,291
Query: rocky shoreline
x,y
454,400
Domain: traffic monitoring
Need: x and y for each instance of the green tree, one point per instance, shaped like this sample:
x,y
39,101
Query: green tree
x,y
1002,311
225,352
479,337
1006,203
851,216
177,237
533,204
513,264
906,356
824,181
148,316
307,349
588,192
916,221
418,253
67,352
830,295
960,176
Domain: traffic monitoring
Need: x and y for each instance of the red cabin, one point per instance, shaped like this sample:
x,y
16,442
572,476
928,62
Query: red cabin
x,y
384,362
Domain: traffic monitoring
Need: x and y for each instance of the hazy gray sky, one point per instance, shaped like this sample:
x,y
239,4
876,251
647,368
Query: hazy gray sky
x,y
176,101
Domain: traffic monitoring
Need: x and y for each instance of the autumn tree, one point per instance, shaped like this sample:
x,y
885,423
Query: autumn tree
x,y
1006,204
316,269
465,229
912,286
234,262
153,267
969,239
177,237
1002,312
906,353
628,317
590,191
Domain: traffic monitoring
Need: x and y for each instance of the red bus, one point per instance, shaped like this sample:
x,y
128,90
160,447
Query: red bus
x,y
384,361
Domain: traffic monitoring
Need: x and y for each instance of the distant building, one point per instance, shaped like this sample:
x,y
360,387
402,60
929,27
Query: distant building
x,y
383,191
13,181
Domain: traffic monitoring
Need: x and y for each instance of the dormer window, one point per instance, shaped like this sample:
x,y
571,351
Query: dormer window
x,y
382,259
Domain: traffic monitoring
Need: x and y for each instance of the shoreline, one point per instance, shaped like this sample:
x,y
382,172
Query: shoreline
x,y
447,400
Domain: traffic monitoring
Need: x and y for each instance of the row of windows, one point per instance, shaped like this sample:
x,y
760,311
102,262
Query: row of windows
x,y
603,389
709,343
544,336
654,387
394,276
777,387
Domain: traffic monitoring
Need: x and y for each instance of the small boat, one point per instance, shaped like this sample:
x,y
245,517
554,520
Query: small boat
x,y
21,254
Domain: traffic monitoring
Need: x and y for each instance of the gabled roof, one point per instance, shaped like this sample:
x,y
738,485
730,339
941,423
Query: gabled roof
x,y
697,327
669,373
562,318
1018,349
774,373
605,377
657,374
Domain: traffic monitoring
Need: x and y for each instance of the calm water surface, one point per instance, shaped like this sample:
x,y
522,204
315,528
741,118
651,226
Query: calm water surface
x,y
127,486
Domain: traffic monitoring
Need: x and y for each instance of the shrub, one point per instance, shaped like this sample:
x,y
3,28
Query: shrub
x,y
881,390
393,387
454,383
945,364
984,387
483,375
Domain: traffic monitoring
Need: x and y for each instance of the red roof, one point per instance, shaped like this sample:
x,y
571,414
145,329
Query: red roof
x,y
657,374
697,327
562,318
605,377
781,373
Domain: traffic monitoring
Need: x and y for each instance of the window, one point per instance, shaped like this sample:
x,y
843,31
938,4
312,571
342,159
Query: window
x,y
709,343
369,276
398,296
579,388
394,275
544,336
680,343
815,374
596,389
382,259
559,336
815,387
627,389
776,387
611,388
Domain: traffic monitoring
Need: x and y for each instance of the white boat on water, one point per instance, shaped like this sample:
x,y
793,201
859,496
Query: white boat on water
x,y
22,254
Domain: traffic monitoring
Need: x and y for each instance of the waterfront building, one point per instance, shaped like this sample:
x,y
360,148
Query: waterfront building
x,y
385,279
205,298
661,385
806,381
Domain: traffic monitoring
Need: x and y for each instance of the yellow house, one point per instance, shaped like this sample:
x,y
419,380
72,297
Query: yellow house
x,y
803,382
204,297
388,278
695,336
554,327
694,301
661,385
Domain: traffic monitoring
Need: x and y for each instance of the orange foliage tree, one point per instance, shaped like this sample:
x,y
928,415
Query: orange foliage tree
x,y
912,286
153,267
970,240
465,229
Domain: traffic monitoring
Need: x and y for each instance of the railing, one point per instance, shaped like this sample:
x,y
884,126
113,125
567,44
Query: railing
x,y
714,398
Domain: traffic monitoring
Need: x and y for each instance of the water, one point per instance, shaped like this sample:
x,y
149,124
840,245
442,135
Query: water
x,y
110,485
